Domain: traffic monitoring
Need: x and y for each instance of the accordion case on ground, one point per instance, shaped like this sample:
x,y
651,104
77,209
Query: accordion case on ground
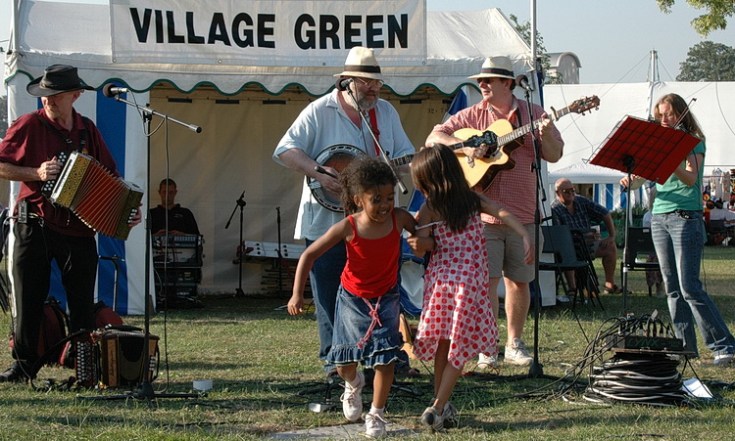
x,y
102,201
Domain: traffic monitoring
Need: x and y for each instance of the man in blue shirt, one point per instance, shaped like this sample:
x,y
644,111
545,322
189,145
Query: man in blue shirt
x,y
579,213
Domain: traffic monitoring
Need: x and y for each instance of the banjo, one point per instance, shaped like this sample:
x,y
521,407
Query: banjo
x,y
338,156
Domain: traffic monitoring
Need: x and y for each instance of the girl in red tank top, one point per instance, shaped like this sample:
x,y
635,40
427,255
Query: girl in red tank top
x,y
367,311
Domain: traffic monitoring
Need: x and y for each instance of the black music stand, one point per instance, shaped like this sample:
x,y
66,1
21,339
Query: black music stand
x,y
646,149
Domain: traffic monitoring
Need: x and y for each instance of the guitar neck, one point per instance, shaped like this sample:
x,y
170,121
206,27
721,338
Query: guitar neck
x,y
524,130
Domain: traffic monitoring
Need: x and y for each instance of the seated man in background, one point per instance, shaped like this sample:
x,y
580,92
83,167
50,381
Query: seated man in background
x,y
179,274
579,213
180,220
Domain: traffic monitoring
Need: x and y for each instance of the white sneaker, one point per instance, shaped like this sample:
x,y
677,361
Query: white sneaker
x,y
485,362
563,298
352,399
450,416
517,353
375,426
431,419
723,359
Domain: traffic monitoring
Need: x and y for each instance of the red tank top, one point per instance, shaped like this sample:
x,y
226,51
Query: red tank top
x,y
372,264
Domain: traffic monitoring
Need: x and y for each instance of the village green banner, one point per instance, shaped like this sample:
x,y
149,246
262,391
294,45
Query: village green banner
x,y
266,33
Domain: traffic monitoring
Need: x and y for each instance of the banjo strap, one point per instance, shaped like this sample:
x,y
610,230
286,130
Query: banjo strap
x,y
374,125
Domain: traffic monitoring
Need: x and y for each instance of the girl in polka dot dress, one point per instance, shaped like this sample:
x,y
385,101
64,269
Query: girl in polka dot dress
x,y
457,321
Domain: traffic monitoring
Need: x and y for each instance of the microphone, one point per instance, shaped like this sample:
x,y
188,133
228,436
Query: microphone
x,y
111,91
522,82
344,83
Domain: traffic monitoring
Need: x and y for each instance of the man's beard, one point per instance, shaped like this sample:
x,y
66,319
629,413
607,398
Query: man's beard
x,y
366,104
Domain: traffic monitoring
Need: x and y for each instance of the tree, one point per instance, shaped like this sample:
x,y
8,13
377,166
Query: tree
x,y
525,31
715,19
708,61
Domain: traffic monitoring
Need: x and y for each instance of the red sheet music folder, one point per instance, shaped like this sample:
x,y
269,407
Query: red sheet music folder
x,y
647,148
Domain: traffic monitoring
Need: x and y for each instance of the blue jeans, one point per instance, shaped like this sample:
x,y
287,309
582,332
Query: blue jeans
x,y
324,279
679,241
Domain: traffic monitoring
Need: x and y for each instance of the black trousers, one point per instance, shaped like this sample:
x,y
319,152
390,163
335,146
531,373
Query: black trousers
x,y
34,249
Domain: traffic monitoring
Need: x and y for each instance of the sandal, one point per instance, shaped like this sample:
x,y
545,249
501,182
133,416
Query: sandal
x,y
612,289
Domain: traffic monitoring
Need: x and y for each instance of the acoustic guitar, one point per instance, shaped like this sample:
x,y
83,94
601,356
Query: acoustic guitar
x,y
503,140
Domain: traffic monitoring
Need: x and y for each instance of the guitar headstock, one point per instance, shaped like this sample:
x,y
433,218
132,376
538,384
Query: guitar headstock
x,y
584,104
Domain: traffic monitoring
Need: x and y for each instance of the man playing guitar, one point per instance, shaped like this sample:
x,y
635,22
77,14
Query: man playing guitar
x,y
512,188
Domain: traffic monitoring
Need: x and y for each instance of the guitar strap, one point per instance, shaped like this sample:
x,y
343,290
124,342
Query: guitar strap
x,y
374,125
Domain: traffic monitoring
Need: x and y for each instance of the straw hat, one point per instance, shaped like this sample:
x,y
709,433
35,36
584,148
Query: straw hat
x,y
56,79
500,67
361,63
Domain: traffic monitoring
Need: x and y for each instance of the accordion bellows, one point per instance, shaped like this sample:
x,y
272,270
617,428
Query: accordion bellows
x,y
104,202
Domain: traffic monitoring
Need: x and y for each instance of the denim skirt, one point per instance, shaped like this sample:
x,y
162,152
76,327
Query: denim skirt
x,y
352,322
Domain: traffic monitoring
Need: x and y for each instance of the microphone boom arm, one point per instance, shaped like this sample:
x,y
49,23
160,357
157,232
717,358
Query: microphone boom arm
x,y
149,112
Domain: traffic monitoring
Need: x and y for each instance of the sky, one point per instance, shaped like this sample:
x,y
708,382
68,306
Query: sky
x,y
613,39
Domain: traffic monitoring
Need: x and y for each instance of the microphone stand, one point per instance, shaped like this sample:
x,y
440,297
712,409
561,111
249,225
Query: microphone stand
x,y
239,203
536,369
145,389
280,254
381,152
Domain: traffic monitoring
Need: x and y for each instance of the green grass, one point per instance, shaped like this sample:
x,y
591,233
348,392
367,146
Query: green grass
x,y
260,359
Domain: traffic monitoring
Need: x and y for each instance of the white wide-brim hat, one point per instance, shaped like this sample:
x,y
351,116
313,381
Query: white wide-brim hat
x,y
498,67
361,63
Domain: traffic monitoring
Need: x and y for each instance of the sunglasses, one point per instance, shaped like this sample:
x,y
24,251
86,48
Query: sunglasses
x,y
567,191
370,83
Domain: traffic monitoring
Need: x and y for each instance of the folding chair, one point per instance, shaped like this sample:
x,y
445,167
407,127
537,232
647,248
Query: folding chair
x,y
588,277
636,255
559,242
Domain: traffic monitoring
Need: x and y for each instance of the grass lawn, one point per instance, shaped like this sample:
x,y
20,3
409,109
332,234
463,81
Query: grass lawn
x,y
260,359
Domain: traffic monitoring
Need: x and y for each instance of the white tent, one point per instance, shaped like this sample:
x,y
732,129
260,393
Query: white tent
x,y
709,101
583,135
243,110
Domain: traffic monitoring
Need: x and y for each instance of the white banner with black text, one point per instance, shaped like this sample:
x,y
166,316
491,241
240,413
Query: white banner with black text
x,y
266,32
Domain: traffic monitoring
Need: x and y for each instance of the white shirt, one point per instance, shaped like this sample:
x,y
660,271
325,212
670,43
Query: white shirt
x,y
322,124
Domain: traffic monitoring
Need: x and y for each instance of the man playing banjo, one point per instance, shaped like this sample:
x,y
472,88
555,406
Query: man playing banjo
x,y
334,124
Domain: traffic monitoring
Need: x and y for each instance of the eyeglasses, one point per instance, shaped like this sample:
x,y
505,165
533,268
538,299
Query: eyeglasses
x,y
370,83
567,191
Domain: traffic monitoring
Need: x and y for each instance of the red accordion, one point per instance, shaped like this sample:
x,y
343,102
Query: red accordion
x,y
102,201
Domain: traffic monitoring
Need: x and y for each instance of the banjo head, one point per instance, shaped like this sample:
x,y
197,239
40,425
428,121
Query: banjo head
x,y
338,157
